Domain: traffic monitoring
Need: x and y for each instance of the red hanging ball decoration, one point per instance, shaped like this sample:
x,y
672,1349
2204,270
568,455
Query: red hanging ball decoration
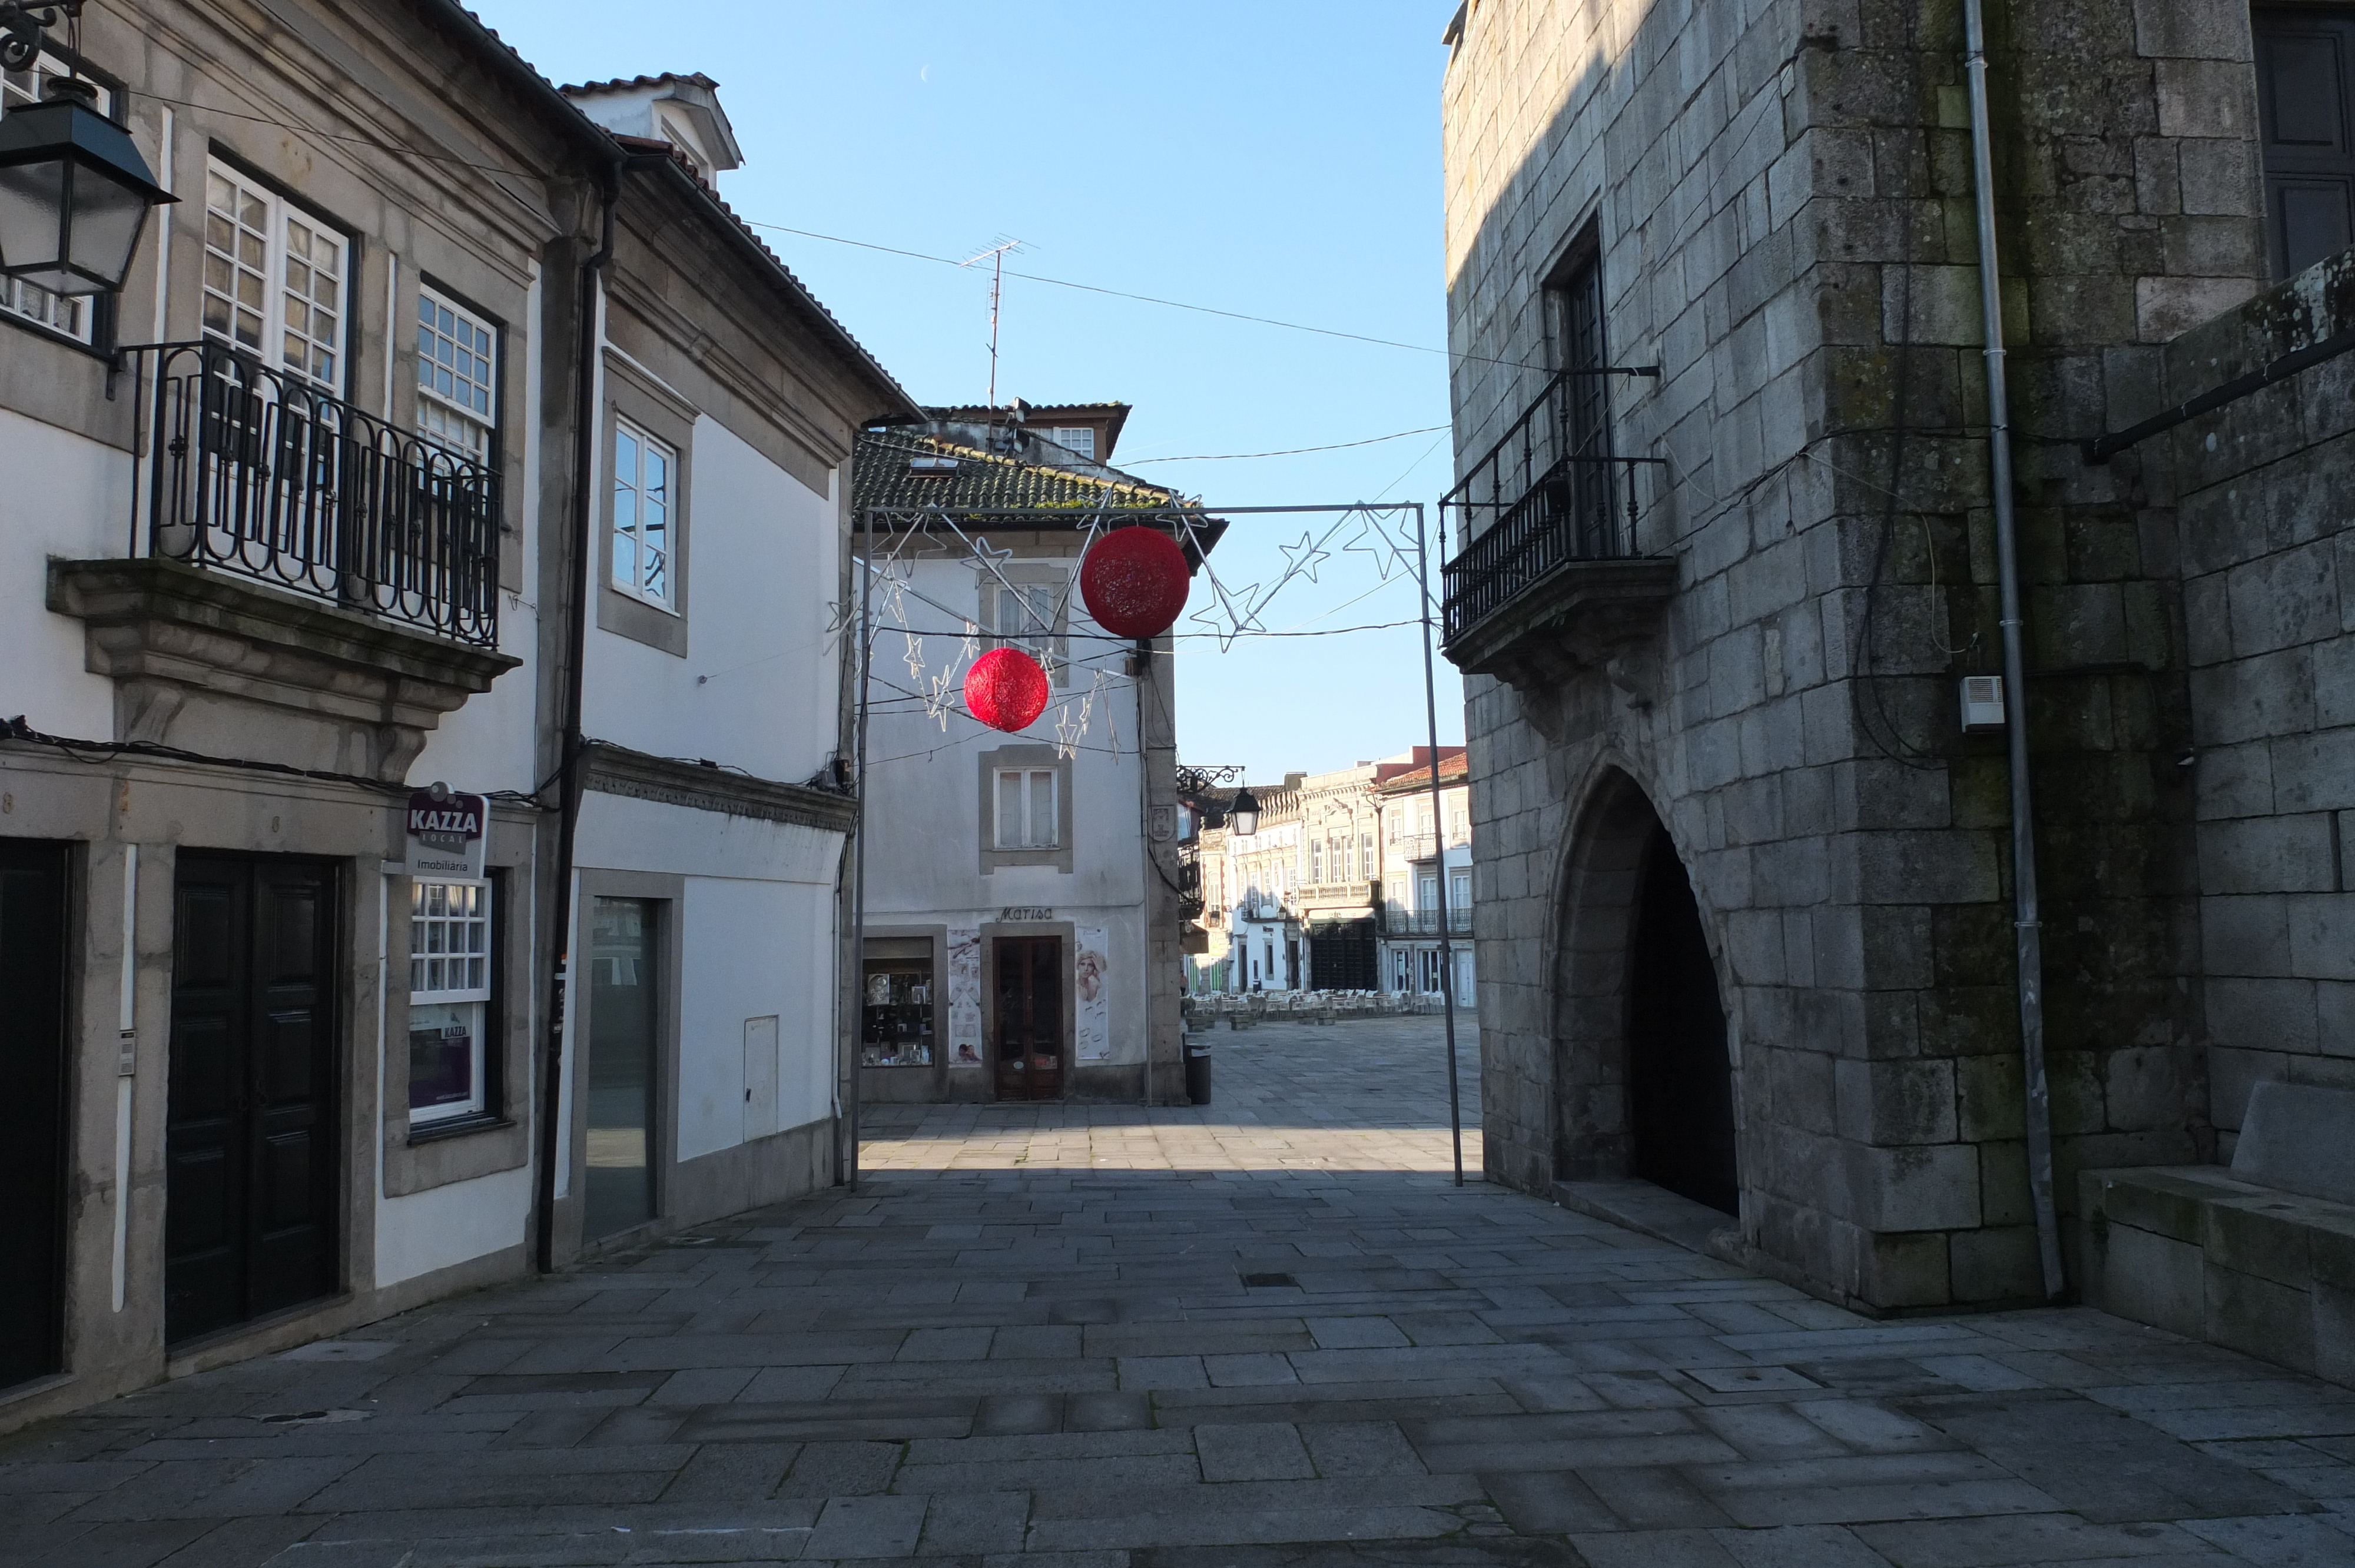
x,y
1006,689
1134,581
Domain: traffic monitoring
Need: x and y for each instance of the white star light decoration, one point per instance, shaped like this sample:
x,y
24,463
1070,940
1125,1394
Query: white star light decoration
x,y
1303,558
1384,552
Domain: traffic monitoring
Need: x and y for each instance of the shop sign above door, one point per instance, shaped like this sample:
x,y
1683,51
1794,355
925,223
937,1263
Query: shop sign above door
x,y
445,832
1016,912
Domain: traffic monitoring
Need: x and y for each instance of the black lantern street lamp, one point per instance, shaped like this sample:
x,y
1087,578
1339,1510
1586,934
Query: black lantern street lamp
x,y
1244,811
74,192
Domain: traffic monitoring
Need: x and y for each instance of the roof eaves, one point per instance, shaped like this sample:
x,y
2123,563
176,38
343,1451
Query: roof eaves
x,y
629,83
607,149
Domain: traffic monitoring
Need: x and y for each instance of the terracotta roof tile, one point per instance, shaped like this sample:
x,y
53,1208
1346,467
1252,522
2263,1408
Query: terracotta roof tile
x,y
882,477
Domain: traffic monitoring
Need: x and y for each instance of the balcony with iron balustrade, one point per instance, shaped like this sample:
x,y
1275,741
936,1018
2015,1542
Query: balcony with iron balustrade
x,y
291,556
1398,921
1551,580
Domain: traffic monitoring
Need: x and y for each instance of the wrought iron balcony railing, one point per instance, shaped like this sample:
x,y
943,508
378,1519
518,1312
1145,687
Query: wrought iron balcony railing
x,y
1550,493
261,474
1398,922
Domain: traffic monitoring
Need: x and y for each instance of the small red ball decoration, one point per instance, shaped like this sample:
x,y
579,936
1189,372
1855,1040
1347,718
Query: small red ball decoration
x,y
1006,689
1134,582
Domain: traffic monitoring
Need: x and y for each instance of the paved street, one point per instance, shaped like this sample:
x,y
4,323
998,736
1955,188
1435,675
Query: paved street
x,y
1267,1335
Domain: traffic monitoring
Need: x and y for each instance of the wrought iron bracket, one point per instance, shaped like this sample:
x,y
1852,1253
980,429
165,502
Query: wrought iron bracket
x,y
24,25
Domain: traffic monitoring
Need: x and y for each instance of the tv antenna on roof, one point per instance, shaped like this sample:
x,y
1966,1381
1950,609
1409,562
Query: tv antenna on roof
x,y
996,256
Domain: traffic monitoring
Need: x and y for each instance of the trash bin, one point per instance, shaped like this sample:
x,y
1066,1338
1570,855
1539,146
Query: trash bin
x,y
1198,1068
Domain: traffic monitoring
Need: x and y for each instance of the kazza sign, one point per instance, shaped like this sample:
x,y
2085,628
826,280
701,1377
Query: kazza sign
x,y
445,834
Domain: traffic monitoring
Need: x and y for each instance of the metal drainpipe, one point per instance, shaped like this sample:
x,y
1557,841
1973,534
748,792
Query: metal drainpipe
x,y
585,427
2028,928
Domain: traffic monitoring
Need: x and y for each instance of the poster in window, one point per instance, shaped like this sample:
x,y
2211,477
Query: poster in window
x,y
440,1057
1089,981
964,996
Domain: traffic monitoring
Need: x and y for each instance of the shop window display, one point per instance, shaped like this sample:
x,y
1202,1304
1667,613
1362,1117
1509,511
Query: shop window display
x,y
897,1028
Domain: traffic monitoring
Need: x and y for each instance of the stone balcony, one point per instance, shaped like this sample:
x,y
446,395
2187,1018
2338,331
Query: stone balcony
x,y
1551,581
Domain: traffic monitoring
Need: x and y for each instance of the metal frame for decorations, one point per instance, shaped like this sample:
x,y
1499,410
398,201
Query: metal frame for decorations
x,y
1227,614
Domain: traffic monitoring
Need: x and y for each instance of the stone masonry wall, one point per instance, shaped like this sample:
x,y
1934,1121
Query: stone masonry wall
x,y
1782,196
2261,493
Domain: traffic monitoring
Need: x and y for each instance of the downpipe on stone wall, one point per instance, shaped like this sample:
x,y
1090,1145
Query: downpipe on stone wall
x,y
2026,924
584,454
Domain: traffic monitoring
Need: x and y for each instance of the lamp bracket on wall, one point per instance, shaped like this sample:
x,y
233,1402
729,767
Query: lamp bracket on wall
x,y
23,26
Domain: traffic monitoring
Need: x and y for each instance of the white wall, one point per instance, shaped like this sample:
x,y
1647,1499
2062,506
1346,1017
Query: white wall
x,y
757,939
757,688
446,1225
924,812
69,496
753,949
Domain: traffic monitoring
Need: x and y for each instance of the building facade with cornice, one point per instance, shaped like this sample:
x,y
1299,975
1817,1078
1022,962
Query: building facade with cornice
x,y
448,431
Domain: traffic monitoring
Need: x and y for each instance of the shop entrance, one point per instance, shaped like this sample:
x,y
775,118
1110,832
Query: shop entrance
x,y
1030,1018
1680,1082
32,1107
249,1143
623,1021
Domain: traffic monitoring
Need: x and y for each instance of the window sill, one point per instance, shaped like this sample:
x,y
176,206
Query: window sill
x,y
456,1127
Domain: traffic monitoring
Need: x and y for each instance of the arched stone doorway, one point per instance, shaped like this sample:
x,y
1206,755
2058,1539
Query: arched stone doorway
x,y
1644,1082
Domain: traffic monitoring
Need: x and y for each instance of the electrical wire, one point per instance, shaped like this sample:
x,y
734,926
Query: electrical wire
x,y
99,752
457,162
1291,452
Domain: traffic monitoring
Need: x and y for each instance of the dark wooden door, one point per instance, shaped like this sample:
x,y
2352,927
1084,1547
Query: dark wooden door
x,y
1030,1018
32,1107
251,1136
1679,1081
2306,68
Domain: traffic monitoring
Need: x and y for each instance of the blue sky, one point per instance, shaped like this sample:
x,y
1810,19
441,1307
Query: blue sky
x,y
1277,160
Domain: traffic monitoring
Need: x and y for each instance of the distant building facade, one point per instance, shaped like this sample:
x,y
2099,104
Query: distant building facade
x,y
1339,887
1021,918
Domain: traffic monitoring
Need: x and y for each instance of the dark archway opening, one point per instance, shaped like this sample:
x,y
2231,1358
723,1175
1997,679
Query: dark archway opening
x,y
1679,1079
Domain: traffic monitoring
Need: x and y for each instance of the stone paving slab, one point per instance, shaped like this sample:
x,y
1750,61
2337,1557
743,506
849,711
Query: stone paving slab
x,y
1267,1334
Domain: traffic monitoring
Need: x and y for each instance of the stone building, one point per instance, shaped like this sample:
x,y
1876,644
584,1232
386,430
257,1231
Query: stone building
x,y
440,434
1744,883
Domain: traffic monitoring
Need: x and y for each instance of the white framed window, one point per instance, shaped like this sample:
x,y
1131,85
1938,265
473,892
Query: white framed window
x,y
643,505
1027,815
449,998
1365,857
274,278
457,377
1026,616
1079,438
1317,860
59,313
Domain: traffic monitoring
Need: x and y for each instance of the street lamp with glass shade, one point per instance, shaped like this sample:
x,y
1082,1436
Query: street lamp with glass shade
x,y
74,193
1243,810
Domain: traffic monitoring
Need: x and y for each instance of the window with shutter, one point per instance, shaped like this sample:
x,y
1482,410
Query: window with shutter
x,y
2305,57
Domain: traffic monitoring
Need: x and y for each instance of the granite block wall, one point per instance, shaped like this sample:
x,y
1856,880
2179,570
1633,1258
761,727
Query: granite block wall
x,y
1780,194
2260,495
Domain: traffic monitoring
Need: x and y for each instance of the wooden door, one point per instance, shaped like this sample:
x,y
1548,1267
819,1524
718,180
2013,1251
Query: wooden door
x,y
250,1138
32,1107
1030,1018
